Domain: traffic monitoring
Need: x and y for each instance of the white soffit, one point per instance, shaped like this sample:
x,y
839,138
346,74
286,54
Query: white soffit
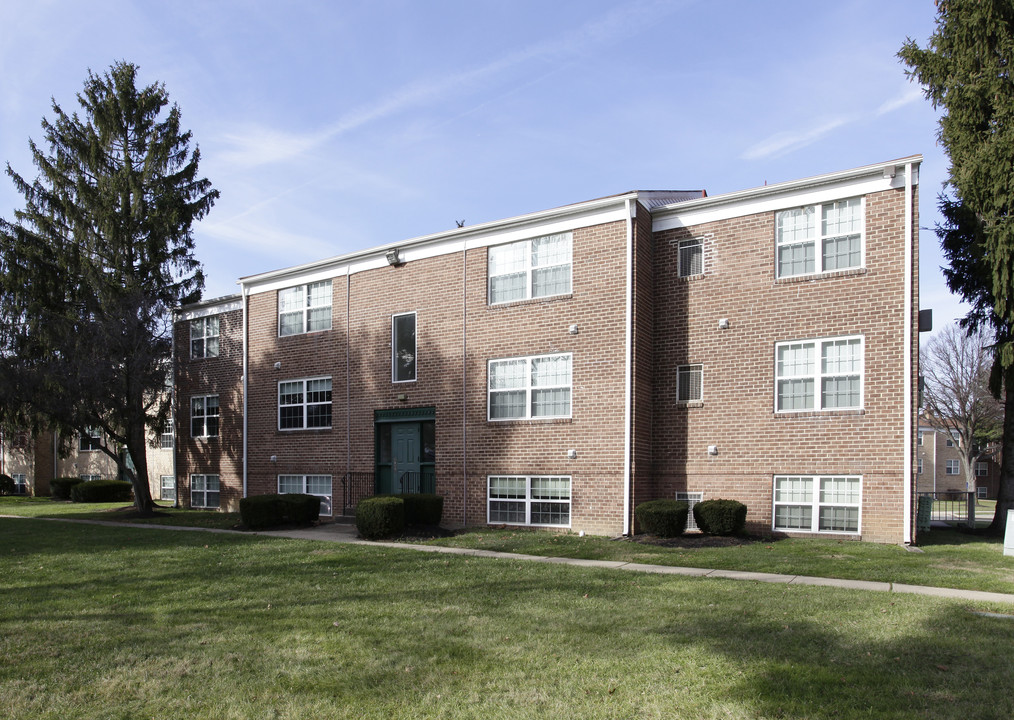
x,y
212,308
825,188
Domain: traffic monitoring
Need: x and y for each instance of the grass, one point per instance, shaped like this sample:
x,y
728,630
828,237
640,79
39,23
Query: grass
x,y
118,622
44,507
948,559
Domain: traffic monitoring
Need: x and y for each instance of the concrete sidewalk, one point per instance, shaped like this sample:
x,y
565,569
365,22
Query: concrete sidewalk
x,y
347,533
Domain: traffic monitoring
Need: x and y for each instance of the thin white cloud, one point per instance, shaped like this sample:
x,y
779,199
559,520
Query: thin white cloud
x,y
911,94
786,142
260,238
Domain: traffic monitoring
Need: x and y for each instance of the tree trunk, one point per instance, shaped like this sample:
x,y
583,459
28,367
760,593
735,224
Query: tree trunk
x,y
1005,496
137,449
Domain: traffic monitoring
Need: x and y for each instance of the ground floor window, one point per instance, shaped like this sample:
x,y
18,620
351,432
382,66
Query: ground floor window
x,y
89,478
529,500
168,487
817,503
20,483
982,492
319,485
204,491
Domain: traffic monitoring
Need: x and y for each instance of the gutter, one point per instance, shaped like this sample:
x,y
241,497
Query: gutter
x,y
909,296
628,374
246,362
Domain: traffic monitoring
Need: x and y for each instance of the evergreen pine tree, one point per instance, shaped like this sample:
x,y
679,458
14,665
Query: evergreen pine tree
x,y
93,265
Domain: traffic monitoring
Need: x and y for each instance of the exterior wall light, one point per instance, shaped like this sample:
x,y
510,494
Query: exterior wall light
x,y
274,458
278,366
723,324
572,329
394,257
572,454
712,449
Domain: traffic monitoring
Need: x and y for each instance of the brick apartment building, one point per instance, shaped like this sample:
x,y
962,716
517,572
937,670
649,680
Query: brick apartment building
x,y
939,470
559,368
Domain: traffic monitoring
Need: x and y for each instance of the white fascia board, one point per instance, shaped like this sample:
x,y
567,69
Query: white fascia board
x,y
193,313
547,222
770,198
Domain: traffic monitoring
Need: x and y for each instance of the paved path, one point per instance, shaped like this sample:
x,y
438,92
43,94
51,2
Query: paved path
x,y
346,533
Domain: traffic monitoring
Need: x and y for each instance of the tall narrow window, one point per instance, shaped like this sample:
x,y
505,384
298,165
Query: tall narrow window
x,y
819,238
204,337
403,348
691,257
540,267
204,416
304,308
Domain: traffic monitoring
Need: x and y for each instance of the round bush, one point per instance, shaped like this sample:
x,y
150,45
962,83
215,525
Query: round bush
x,y
102,491
380,517
7,485
61,487
663,518
720,517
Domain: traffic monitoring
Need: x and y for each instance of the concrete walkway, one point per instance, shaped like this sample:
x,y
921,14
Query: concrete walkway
x,y
346,533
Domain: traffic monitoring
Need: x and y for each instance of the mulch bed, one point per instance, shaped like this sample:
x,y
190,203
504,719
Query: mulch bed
x,y
699,540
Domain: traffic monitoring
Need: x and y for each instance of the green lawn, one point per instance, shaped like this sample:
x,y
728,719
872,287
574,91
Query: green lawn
x,y
45,507
948,559
115,622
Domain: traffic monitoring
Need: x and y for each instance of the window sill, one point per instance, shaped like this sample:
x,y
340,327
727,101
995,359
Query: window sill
x,y
690,278
530,301
530,421
689,403
792,279
793,414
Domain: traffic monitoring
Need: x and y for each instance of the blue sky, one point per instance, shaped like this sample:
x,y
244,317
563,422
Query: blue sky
x,y
330,127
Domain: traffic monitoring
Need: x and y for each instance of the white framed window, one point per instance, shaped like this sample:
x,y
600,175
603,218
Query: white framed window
x,y
949,442
88,478
167,485
982,469
919,439
820,238
319,485
981,492
90,440
919,469
528,500
527,269
817,503
20,483
825,374
304,404
304,308
403,347
204,337
204,415
205,491
689,383
20,441
953,467
165,441
691,257
530,387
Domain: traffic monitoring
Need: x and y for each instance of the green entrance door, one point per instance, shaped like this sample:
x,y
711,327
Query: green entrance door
x,y
405,453
405,441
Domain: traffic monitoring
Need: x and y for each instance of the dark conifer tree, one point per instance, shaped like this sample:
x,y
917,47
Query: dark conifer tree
x,y
92,266
966,70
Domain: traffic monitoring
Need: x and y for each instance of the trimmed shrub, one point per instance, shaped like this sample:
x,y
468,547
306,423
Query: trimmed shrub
x,y
299,508
61,487
102,491
663,518
720,517
7,485
423,508
263,511
380,517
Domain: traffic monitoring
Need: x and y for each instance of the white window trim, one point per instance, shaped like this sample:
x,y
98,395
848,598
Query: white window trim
x,y
204,491
307,307
92,434
816,504
688,242
165,437
981,468
679,369
205,325
528,389
528,500
919,467
394,348
818,240
89,477
956,464
20,483
303,480
205,416
305,404
162,487
981,492
818,375
528,271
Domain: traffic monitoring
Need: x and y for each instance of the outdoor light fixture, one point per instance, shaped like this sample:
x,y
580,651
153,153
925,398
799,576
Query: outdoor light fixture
x,y
723,324
712,449
274,458
572,454
572,329
394,257
278,366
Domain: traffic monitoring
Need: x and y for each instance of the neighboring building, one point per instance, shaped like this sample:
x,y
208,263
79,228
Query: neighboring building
x,y
34,460
559,368
938,466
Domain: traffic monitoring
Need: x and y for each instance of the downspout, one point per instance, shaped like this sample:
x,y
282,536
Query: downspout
x,y
348,378
246,369
172,404
464,384
909,296
628,375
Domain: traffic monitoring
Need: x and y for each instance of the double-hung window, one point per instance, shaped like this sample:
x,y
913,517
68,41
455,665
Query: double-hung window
x,y
304,404
319,485
204,337
20,483
817,503
819,238
953,467
919,467
528,269
90,440
526,500
167,484
691,257
688,383
304,308
824,374
204,491
204,416
982,469
530,387
403,348
166,441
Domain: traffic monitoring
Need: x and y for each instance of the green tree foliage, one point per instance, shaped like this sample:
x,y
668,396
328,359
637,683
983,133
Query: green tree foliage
x,y
965,71
92,266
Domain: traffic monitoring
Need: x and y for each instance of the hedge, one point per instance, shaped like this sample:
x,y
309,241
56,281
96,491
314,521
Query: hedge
x,y
423,508
380,517
262,511
102,491
663,518
720,517
60,487
7,485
